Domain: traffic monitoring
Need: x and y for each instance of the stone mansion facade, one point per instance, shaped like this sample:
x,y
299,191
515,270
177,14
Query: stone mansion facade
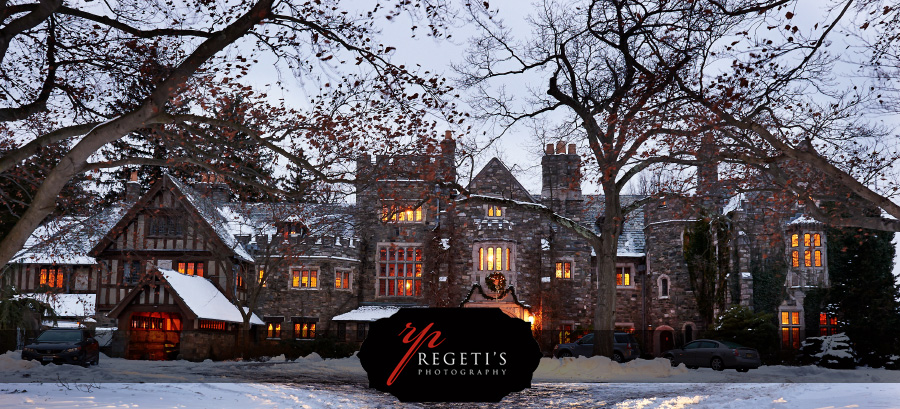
x,y
169,264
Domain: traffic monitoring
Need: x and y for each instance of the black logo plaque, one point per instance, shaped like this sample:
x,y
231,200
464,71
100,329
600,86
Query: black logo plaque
x,y
450,355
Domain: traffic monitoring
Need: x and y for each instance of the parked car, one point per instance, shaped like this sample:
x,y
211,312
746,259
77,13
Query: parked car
x,y
718,355
63,345
625,347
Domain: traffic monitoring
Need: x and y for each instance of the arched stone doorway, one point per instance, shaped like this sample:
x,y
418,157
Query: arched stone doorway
x,y
663,339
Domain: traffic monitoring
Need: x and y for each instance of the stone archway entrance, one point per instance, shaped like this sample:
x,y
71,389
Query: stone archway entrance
x,y
663,339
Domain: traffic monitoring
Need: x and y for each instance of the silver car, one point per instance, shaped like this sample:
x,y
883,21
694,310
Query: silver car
x,y
718,355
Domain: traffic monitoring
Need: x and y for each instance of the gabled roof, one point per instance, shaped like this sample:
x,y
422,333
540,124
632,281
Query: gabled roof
x,y
495,172
68,239
197,296
198,205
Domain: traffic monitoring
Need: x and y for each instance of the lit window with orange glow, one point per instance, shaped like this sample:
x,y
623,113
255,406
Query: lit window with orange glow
x,y
399,271
817,240
807,258
818,258
623,276
52,277
795,240
806,240
795,258
305,278
402,214
564,270
494,211
494,257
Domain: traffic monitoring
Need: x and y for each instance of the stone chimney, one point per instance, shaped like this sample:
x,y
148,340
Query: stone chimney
x,y
132,188
561,173
448,157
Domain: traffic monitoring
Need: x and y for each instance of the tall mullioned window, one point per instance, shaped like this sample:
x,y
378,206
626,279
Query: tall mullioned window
x,y
494,257
790,329
400,270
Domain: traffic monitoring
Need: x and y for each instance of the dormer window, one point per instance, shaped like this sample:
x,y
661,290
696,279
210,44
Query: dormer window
x,y
495,211
292,229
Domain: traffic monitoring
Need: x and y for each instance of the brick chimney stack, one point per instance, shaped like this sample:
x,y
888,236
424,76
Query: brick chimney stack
x,y
132,188
448,157
212,186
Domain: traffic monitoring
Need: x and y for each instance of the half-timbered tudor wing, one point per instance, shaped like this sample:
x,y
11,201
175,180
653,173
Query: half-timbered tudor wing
x,y
171,226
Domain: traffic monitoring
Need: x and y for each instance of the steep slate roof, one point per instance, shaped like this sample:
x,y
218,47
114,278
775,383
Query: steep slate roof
x,y
260,218
631,242
213,217
68,239
503,177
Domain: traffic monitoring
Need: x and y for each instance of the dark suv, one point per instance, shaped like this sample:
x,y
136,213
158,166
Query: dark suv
x,y
59,345
625,347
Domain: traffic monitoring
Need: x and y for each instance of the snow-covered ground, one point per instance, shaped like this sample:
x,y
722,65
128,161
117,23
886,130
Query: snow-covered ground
x,y
316,383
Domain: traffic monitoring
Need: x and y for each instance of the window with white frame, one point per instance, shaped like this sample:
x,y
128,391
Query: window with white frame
x,y
663,284
491,257
305,278
399,270
342,279
494,211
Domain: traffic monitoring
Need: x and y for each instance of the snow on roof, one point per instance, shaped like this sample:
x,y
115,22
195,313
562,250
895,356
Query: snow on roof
x,y
204,299
67,305
68,239
804,219
734,203
367,313
214,218
632,238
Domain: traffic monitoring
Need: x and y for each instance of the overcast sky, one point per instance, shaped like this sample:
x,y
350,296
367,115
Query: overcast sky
x,y
519,149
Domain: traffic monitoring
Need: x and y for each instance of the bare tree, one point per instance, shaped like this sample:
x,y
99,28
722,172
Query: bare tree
x,y
90,76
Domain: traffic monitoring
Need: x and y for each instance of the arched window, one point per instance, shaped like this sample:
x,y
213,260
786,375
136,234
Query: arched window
x,y
494,257
688,332
663,284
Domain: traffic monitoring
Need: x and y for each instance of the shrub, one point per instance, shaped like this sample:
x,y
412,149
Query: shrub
x,y
832,351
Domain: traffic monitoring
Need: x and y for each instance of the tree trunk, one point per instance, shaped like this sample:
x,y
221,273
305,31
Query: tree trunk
x,y
606,249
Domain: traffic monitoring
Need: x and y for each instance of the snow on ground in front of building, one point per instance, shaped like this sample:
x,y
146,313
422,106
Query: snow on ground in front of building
x,y
313,368
313,382
543,396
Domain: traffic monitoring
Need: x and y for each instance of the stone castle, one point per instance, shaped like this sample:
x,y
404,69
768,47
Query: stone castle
x,y
169,264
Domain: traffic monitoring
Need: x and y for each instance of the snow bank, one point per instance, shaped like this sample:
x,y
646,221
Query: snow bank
x,y
603,369
12,361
